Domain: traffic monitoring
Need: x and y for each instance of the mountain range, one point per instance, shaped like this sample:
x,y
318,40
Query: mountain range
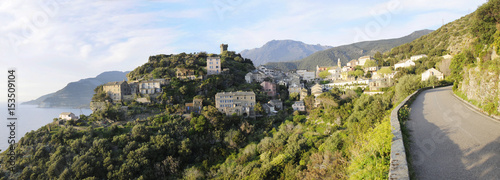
x,y
77,94
281,50
346,53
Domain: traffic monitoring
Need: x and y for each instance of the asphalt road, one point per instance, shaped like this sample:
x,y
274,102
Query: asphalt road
x,y
450,141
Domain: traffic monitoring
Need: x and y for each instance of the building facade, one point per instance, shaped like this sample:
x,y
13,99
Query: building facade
x,y
196,106
213,65
68,116
417,57
269,88
117,90
306,75
362,60
404,64
316,90
432,72
183,74
299,106
151,86
241,103
352,63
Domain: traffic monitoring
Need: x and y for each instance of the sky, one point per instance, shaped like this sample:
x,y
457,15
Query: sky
x,y
53,42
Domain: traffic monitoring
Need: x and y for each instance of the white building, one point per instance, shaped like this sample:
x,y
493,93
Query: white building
x,y
371,69
67,116
299,106
432,72
362,60
256,75
335,73
213,65
151,86
241,103
306,75
447,56
352,63
404,64
417,57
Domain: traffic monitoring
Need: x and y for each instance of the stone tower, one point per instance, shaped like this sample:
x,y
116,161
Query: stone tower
x,y
338,63
223,47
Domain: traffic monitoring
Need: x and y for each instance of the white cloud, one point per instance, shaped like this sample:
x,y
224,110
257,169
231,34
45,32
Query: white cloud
x,y
81,40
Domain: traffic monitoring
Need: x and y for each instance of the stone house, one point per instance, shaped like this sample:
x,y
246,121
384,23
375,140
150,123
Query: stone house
x,y
117,90
298,106
306,75
335,73
269,87
376,85
432,72
303,93
321,69
352,63
294,88
196,106
362,60
371,69
151,86
256,76
277,104
269,109
213,65
183,74
316,90
241,103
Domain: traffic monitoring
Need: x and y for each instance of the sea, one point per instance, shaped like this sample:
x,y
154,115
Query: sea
x,y
29,118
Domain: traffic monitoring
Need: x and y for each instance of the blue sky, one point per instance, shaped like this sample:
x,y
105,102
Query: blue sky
x,y
54,42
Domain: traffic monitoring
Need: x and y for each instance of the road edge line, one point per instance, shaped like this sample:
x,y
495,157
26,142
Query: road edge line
x,y
476,109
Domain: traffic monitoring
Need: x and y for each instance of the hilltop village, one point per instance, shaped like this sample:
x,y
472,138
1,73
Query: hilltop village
x,y
362,75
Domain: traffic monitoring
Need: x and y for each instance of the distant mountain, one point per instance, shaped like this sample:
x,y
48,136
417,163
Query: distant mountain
x,y
280,51
77,94
347,52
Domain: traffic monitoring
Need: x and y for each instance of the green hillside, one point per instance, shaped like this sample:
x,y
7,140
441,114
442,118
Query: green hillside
x,y
474,41
347,52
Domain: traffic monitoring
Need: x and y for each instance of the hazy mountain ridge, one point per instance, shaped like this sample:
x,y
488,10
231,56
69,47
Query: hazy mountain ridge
x,y
346,53
281,50
77,94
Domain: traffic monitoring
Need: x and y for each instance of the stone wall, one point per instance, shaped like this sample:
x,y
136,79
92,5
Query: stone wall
x,y
481,86
94,106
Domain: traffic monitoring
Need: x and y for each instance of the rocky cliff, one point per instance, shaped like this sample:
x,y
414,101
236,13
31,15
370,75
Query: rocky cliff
x,y
482,88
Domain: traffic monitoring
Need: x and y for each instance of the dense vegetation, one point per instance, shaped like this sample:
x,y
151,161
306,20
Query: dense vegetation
x,y
348,136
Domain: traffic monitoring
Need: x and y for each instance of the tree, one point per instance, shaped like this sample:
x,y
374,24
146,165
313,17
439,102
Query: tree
x,y
378,56
359,73
407,85
324,74
384,71
370,63
294,96
259,109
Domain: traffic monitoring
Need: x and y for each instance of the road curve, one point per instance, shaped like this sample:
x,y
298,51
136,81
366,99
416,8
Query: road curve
x,y
450,141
